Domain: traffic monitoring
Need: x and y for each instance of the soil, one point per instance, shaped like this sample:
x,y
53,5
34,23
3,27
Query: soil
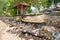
x,y
4,35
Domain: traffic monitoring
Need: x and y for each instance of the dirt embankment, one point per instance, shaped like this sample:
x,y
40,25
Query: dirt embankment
x,y
2,27
6,36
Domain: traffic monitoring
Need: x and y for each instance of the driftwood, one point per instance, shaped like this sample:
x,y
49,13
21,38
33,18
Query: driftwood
x,y
36,19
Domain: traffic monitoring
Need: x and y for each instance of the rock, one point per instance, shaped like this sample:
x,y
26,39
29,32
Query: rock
x,y
23,39
31,39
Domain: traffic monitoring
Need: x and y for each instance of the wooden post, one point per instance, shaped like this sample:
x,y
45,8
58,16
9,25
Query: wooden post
x,y
22,11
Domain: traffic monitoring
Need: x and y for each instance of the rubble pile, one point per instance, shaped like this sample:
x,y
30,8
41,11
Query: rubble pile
x,y
54,21
29,32
35,31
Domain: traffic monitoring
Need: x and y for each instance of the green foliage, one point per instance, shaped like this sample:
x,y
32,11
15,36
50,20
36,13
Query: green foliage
x,y
55,1
1,7
8,8
29,9
8,5
44,2
11,12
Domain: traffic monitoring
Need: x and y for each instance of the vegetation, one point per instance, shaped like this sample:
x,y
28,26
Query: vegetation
x,y
9,10
1,7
